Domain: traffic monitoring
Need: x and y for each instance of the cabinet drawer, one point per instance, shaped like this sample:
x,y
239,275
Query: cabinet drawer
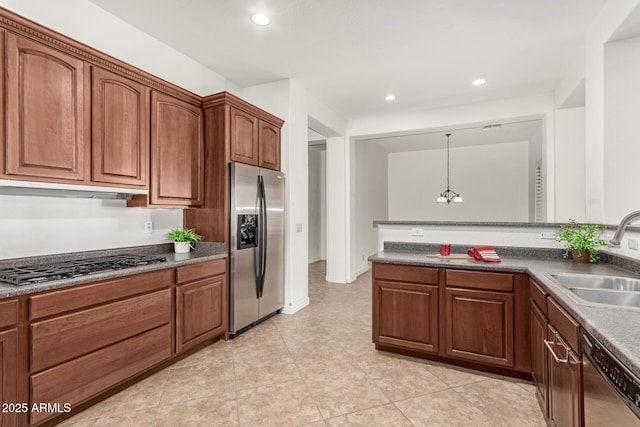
x,y
78,380
480,280
66,337
405,273
564,323
538,295
201,270
8,313
65,300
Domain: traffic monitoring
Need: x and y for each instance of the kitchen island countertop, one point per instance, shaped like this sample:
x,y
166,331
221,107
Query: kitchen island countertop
x,y
204,252
616,328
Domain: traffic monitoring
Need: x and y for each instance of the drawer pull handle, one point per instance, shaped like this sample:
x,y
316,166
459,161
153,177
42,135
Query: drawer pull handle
x,y
553,353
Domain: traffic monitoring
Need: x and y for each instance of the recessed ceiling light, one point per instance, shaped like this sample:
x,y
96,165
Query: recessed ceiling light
x,y
260,19
478,82
390,97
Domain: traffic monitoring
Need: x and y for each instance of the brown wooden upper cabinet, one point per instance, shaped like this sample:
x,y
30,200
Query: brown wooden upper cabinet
x,y
244,137
254,141
47,112
269,146
120,129
177,152
253,134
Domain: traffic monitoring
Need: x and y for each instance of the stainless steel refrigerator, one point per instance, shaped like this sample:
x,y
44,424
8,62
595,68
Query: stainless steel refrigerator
x,y
256,245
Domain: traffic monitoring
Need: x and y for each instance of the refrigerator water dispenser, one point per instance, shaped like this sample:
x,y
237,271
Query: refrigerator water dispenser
x,y
247,231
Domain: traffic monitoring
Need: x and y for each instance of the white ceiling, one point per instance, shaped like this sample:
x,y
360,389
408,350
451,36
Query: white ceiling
x,y
351,53
497,133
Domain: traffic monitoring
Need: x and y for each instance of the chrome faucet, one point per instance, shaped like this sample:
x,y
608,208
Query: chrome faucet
x,y
617,236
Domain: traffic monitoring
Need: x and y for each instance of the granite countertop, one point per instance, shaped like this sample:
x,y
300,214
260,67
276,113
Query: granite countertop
x,y
203,252
615,327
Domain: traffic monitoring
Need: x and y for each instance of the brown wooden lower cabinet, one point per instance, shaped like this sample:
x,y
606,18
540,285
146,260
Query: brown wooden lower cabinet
x,y
67,348
565,382
8,375
80,379
407,315
539,364
479,326
63,338
453,315
200,311
201,303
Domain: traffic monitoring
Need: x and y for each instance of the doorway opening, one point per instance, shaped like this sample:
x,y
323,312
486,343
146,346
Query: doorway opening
x,y
317,198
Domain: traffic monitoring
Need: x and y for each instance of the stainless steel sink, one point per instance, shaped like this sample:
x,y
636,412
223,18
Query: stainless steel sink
x,y
596,281
600,289
617,298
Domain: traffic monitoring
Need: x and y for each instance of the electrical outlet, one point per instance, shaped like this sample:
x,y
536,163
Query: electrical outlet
x,y
548,235
633,244
417,231
299,228
148,227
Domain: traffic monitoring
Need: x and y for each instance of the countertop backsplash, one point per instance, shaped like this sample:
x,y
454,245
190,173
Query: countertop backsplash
x,y
34,226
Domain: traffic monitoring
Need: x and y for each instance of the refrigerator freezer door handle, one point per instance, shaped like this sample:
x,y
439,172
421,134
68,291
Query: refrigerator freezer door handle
x,y
258,251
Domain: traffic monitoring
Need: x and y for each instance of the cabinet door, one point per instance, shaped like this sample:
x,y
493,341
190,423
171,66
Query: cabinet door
x,y
201,311
406,315
244,137
177,148
479,326
120,123
269,146
565,382
8,378
48,117
539,366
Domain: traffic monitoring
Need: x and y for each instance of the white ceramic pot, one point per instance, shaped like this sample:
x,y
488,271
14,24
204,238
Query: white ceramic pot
x,y
181,247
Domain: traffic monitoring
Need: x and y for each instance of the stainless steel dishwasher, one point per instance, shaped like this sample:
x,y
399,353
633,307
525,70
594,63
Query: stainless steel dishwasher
x,y
611,391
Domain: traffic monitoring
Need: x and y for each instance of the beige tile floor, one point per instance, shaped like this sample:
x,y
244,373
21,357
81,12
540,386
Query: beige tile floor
x,y
317,367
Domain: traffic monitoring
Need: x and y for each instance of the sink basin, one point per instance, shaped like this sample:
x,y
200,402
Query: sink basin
x,y
595,281
617,298
600,289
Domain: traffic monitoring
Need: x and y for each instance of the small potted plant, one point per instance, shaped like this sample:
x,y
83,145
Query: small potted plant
x,y
581,240
183,240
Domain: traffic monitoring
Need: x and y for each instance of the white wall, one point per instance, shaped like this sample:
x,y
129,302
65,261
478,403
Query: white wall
x,y
622,129
611,17
371,199
492,179
41,225
570,165
32,226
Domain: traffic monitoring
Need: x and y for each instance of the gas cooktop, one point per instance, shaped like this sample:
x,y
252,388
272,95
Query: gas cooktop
x,y
67,269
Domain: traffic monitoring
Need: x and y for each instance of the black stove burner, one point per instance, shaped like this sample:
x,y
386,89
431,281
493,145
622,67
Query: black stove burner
x,y
68,269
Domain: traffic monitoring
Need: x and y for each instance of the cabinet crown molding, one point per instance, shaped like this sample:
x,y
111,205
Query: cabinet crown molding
x,y
227,98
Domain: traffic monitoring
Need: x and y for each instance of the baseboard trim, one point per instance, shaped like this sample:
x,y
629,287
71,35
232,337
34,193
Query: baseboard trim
x,y
295,308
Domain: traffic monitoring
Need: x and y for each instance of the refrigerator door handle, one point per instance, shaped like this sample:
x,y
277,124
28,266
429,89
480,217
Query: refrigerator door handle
x,y
263,237
257,254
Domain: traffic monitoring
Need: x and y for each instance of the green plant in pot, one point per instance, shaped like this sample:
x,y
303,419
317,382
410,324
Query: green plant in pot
x,y
183,240
582,240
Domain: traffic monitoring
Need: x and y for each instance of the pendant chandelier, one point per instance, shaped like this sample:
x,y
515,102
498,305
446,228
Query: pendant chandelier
x,y
448,195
